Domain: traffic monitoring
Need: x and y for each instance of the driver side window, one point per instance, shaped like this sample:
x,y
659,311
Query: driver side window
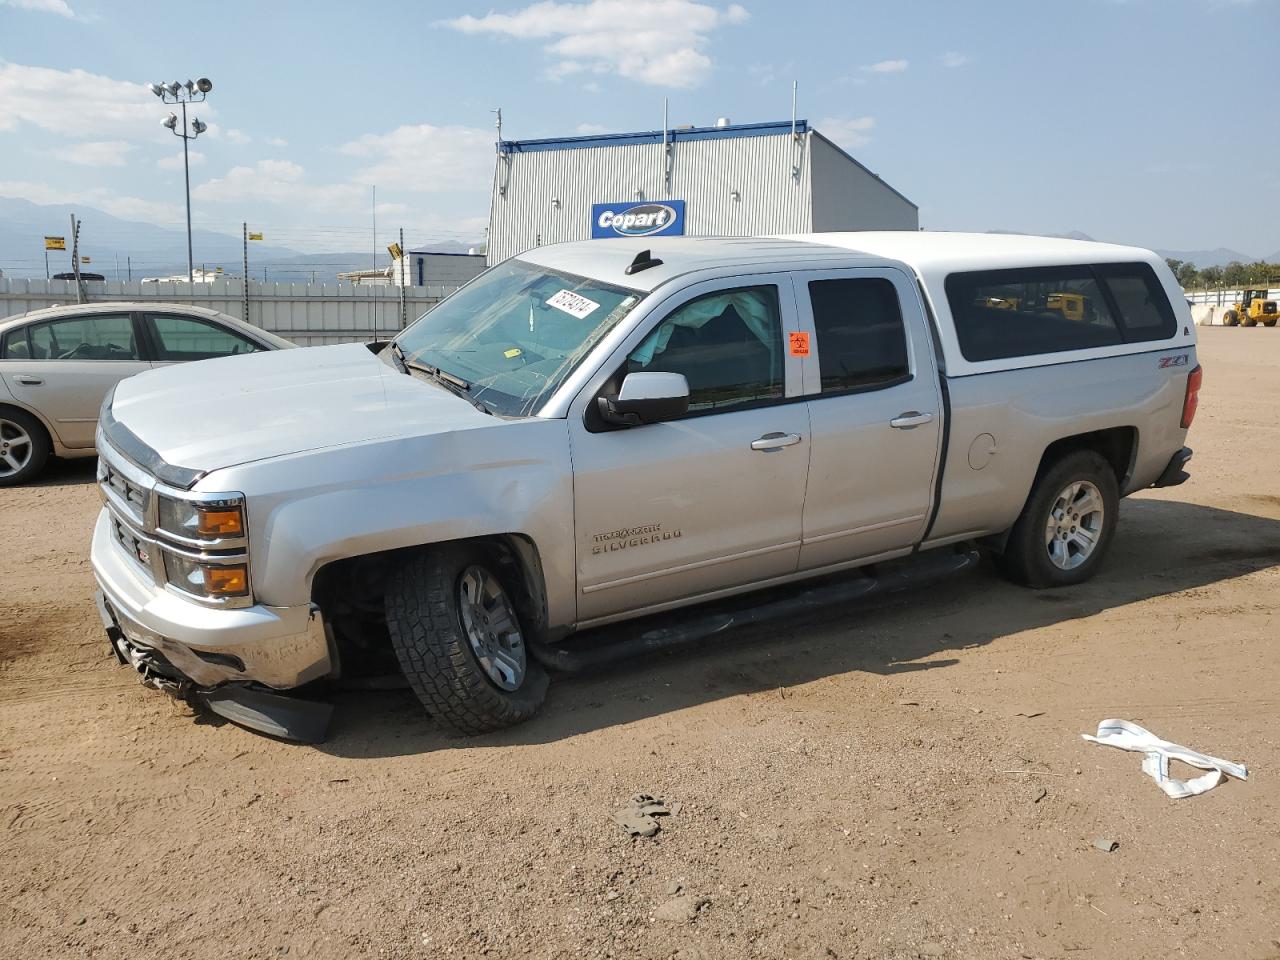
x,y
728,345
103,336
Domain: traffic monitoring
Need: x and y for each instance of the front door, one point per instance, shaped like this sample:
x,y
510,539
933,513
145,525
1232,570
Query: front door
x,y
64,368
669,511
876,412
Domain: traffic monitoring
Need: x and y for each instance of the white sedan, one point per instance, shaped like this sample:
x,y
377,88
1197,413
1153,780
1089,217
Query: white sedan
x,y
57,364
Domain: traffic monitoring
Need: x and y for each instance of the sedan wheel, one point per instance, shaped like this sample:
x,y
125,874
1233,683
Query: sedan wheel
x,y
16,448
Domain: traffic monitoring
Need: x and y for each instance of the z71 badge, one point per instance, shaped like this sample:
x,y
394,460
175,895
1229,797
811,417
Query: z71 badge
x,y
1179,361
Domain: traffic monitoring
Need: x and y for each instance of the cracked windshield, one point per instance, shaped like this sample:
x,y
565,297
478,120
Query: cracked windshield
x,y
514,334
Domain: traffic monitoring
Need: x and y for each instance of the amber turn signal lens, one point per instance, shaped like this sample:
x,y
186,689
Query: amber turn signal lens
x,y
220,523
227,581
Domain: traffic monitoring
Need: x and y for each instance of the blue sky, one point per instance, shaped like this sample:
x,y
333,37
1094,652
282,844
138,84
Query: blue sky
x,y
1144,121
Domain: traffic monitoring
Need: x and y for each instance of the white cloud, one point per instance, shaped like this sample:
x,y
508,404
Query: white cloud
x,y
659,42
101,106
277,142
238,136
426,159
281,183
848,132
58,7
174,162
953,58
587,129
886,66
95,153
107,200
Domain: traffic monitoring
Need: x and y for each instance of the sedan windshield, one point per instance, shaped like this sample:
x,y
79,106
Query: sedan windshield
x,y
515,333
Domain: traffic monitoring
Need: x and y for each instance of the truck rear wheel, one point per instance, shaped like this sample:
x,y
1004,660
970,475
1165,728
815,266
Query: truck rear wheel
x,y
456,631
1067,524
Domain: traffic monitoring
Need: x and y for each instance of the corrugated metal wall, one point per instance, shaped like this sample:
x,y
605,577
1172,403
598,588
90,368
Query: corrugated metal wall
x,y
848,196
704,173
306,313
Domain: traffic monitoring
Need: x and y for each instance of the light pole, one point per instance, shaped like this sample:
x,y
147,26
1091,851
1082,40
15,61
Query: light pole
x,y
190,92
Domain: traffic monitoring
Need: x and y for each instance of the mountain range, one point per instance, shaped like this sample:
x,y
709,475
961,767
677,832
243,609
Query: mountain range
x,y
160,251
115,244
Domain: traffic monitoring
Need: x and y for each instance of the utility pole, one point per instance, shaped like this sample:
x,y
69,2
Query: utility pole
x,y
46,262
128,262
245,272
404,307
375,226
117,256
75,257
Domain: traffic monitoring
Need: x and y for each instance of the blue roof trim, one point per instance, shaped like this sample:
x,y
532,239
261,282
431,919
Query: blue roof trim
x,y
443,253
654,136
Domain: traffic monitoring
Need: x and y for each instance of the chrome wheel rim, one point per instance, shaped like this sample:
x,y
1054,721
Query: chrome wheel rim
x,y
492,628
1074,527
15,447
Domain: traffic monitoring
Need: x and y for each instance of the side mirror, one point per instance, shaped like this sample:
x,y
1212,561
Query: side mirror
x,y
646,398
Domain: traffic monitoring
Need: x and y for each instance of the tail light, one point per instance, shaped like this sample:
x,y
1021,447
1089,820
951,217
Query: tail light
x,y
1192,400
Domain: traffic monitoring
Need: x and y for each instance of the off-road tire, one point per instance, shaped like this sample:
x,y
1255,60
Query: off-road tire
x,y
1026,559
1230,318
1269,322
39,446
424,620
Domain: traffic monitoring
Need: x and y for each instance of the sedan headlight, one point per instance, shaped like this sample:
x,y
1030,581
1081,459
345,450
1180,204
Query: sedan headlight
x,y
219,519
214,581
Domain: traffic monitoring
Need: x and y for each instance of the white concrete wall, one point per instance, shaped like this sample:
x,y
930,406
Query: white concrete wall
x,y
305,313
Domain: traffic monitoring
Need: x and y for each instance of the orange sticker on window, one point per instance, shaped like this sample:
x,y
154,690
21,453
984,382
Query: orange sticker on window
x,y
799,344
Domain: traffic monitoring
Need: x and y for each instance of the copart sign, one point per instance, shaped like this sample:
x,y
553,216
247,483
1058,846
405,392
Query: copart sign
x,y
640,218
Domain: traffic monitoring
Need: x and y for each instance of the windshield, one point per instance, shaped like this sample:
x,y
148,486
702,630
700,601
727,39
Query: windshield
x,y
516,332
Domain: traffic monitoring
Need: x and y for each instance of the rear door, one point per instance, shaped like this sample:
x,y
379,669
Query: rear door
x,y
63,368
669,511
875,411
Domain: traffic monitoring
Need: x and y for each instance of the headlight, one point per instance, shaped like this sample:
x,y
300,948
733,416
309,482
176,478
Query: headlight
x,y
218,519
211,580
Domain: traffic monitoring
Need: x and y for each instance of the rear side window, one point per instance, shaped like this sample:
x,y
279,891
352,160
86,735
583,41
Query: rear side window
x,y
1145,313
1019,313
185,338
861,340
1040,310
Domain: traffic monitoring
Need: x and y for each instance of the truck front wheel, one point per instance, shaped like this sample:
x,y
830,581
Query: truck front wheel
x,y
456,631
1067,524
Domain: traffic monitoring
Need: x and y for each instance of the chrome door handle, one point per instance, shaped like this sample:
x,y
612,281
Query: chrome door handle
x,y
912,418
775,441
27,379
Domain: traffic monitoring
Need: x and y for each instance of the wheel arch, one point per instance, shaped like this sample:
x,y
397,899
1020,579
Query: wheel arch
x,y
55,446
1117,445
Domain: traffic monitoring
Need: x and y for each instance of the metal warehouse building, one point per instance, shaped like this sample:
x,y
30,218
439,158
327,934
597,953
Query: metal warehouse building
x,y
726,180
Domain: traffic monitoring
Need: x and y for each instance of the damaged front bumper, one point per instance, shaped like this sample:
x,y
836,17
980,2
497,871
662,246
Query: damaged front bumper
x,y
245,703
231,660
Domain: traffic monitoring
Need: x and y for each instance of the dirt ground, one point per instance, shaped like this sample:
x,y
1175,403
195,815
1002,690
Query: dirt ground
x,y
897,779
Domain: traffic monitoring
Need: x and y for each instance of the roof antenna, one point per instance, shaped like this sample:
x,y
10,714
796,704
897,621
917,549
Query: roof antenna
x,y
643,261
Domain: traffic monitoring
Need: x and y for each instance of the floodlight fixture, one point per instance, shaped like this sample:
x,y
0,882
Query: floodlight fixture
x,y
204,84
156,88
199,127
171,122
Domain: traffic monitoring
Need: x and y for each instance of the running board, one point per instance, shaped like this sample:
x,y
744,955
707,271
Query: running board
x,y
662,631
304,721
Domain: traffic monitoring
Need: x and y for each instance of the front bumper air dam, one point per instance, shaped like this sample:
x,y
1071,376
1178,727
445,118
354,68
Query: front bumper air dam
x,y
246,704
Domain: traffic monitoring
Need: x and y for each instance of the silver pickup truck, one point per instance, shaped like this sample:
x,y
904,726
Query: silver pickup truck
x,y
597,432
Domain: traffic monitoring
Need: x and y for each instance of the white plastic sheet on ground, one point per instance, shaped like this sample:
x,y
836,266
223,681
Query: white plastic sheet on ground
x,y
1156,756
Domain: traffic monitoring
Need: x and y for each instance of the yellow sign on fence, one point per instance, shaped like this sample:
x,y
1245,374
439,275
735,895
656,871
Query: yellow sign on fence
x,y
55,243
395,251
85,260
255,236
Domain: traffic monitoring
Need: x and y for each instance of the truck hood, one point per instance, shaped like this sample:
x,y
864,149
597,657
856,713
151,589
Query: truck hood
x,y
219,413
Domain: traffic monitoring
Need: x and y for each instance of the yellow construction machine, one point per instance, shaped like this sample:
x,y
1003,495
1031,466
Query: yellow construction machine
x,y
1255,308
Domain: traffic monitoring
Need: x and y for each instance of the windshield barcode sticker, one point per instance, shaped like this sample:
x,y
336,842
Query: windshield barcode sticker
x,y
573,304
